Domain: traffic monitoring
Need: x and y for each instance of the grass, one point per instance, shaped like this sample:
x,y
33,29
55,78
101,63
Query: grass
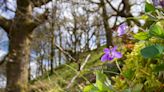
x,y
63,75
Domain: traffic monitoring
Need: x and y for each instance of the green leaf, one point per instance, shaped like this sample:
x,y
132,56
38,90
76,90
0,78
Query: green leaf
x,y
160,48
90,88
151,51
129,74
137,88
159,68
149,7
156,30
100,81
144,17
141,36
127,90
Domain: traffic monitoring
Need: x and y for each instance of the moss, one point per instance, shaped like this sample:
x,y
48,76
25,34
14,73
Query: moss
x,y
63,74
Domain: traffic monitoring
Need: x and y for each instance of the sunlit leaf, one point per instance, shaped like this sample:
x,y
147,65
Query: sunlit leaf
x,y
100,81
141,36
156,30
90,88
149,7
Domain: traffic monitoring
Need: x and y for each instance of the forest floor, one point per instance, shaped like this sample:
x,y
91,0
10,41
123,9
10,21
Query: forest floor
x,y
59,81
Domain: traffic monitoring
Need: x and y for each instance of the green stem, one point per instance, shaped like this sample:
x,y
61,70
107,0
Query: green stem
x,y
118,66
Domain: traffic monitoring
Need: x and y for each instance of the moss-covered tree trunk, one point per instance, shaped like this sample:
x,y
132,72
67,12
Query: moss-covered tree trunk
x,y
19,48
19,31
18,60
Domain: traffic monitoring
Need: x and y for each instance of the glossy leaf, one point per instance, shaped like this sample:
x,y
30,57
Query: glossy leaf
x,y
150,51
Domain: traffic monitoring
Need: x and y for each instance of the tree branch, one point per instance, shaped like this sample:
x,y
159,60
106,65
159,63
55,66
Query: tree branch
x,y
94,2
112,6
5,24
78,73
38,3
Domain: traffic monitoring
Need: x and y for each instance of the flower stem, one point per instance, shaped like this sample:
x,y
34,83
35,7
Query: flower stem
x,y
118,66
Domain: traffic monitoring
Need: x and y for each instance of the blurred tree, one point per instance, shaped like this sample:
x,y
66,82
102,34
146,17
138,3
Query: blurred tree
x,y
108,10
19,31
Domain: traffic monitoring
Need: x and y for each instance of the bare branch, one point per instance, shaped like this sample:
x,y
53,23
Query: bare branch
x,y
66,53
112,6
78,73
94,2
38,3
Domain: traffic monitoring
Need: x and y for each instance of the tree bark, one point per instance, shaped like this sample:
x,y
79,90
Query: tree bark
x,y
19,48
52,54
19,31
60,53
18,60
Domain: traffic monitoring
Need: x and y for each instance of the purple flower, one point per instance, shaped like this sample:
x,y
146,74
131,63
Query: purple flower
x,y
162,3
122,29
155,2
158,3
110,54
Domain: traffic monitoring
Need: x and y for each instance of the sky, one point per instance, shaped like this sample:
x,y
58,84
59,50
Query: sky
x,y
4,42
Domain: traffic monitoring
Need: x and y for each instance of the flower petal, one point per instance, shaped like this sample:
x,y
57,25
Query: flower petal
x,y
114,49
106,50
155,2
104,57
117,54
162,3
121,29
110,58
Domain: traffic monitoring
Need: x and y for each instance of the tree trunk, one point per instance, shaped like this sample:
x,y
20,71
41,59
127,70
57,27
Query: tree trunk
x,y
60,53
106,26
52,54
18,61
19,48
98,39
29,72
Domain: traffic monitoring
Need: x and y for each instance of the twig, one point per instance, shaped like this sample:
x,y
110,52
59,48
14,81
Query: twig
x,y
66,53
78,73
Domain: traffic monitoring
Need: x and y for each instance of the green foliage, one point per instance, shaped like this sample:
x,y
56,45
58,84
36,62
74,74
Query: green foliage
x,y
149,7
141,36
102,84
152,51
136,88
157,30
63,74
159,68
143,65
137,73
128,74
91,88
